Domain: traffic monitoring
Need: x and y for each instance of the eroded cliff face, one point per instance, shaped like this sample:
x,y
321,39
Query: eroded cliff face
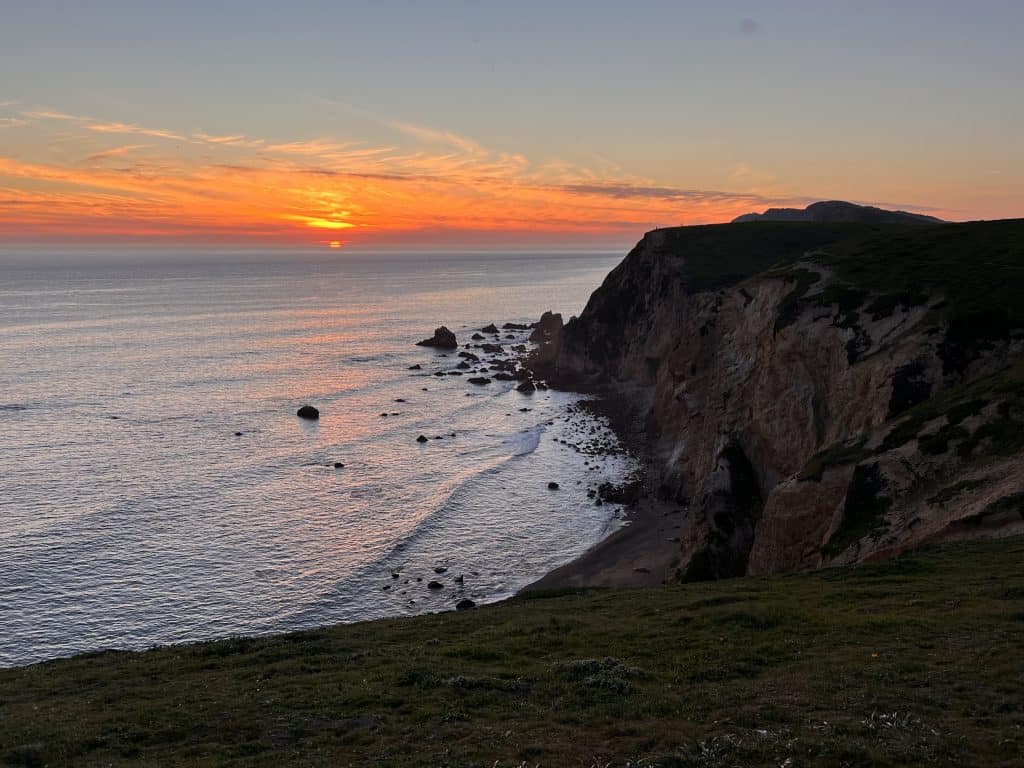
x,y
773,404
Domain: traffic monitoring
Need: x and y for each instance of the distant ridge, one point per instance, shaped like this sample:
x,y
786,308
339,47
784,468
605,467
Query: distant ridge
x,y
838,211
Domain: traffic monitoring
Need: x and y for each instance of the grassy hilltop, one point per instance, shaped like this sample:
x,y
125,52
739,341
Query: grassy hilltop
x,y
917,661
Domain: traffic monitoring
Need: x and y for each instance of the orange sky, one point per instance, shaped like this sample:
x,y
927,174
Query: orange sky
x,y
81,179
77,178
494,125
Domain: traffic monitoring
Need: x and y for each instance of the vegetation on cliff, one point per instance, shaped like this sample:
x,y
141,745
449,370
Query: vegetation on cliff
x,y
884,353
911,662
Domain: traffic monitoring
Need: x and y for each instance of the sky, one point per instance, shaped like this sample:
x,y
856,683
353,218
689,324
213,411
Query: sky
x,y
495,124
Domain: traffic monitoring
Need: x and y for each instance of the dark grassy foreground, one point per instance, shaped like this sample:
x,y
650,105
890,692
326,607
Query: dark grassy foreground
x,y
914,662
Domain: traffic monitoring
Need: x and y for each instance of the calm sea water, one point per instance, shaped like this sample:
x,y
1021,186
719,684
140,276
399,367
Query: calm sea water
x,y
131,514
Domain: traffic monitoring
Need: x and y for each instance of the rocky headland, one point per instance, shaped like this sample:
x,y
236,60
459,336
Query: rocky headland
x,y
809,389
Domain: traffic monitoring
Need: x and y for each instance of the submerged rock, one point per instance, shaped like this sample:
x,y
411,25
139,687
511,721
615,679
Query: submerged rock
x,y
308,412
442,339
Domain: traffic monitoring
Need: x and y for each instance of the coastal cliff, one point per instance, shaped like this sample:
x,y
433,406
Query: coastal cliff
x,y
816,393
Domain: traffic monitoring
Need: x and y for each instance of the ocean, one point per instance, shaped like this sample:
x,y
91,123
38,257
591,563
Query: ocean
x,y
157,487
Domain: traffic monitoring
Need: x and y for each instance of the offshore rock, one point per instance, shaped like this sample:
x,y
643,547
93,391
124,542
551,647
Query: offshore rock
x,y
308,412
442,339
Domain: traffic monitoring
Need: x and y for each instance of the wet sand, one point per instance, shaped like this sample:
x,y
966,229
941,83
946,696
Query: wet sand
x,y
646,550
641,554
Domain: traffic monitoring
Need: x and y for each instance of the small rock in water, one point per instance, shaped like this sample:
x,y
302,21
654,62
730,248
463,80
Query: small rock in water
x,y
435,585
553,486
492,328
399,400
478,337
459,579
440,569
421,439
526,387
308,412
338,465
238,434
464,604
416,367
479,380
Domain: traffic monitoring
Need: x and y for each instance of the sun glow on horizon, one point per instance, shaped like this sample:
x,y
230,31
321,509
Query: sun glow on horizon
x,y
239,188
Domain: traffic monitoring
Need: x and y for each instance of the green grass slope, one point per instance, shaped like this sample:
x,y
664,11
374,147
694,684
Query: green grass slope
x,y
918,661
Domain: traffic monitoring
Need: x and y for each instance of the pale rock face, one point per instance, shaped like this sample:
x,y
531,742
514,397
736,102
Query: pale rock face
x,y
735,407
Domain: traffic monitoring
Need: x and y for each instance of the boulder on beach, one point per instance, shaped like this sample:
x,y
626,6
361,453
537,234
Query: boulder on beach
x,y
442,339
308,412
464,604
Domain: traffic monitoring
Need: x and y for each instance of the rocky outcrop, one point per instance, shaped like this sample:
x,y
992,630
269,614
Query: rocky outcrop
x,y
442,339
816,394
550,324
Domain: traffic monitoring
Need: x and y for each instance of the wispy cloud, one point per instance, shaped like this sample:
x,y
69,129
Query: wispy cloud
x,y
235,186
131,128
52,114
12,122
238,140
115,152
418,131
311,147
427,134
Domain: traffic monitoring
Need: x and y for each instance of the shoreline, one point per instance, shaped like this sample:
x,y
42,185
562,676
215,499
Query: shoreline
x,y
644,551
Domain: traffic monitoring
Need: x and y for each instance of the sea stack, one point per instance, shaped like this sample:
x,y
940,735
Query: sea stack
x,y
442,339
